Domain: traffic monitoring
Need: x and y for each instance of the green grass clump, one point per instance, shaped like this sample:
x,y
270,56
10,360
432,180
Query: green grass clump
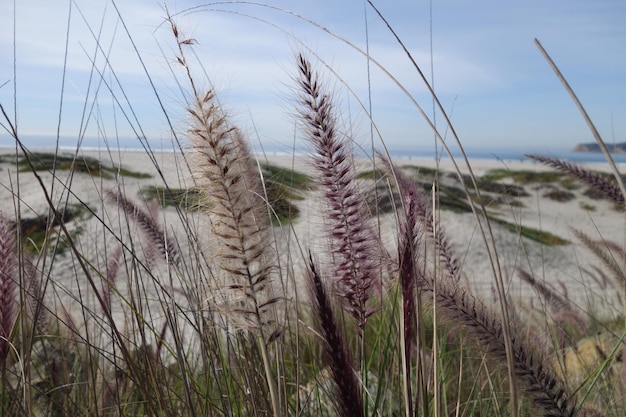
x,y
569,183
451,198
7,158
36,229
523,176
587,207
279,197
541,236
187,199
283,186
499,188
287,177
43,161
421,171
561,196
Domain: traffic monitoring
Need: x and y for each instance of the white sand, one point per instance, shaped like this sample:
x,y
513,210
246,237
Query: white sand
x,y
563,267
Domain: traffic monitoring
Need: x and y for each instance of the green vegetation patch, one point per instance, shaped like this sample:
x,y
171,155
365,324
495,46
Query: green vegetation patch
x,y
523,176
283,186
452,199
587,207
43,161
287,177
381,200
187,199
279,197
372,174
420,170
570,183
499,188
35,229
536,235
561,196
417,171
7,158
595,194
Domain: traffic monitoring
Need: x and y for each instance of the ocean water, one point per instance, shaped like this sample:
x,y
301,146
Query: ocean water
x,y
492,154
404,152
506,154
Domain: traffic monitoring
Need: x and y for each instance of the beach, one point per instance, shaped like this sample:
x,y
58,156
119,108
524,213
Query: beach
x,y
569,268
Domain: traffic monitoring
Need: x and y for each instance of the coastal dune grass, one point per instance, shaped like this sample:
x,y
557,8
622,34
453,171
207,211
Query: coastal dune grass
x,y
200,298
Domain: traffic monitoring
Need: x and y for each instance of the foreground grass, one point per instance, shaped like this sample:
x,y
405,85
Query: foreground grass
x,y
194,353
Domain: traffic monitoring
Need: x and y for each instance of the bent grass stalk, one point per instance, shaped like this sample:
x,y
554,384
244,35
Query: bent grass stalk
x,y
594,131
486,231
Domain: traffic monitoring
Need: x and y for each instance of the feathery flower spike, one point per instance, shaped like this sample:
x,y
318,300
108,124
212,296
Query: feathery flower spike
x,y
354,243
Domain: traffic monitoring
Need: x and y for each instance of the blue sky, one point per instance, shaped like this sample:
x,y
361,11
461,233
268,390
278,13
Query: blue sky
x,y
488,74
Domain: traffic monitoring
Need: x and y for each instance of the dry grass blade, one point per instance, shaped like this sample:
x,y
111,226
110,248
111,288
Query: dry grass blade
x,y
348,398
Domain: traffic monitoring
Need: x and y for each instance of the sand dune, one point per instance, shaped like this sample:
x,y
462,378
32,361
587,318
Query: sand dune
x,y
565,267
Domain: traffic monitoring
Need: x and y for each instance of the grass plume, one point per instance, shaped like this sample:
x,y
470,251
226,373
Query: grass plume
x,y
148,225
353,240
226,175
8,283
409,236
348,398
540,383
594,180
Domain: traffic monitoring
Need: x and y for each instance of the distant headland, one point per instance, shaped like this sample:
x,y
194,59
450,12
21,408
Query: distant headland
x,y
594,147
